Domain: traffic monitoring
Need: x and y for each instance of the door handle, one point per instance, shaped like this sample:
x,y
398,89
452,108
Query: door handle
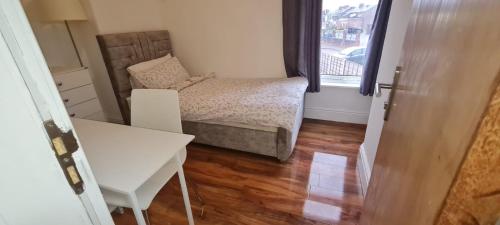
x,y
380,86
392,87
388,105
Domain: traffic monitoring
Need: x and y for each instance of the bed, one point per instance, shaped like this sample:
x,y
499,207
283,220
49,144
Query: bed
x,y
261,116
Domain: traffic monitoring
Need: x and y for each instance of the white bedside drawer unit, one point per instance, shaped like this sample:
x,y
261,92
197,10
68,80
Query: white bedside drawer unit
x,y
78,93
84,109
72,79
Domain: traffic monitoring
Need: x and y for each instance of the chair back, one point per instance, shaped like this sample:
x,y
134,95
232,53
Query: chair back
x,y
156,109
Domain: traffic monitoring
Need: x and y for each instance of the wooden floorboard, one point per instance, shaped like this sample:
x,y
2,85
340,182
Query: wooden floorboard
x,y
317,185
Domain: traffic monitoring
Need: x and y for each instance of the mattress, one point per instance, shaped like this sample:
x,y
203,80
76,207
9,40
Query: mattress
x,y
258,104
251,103
231,124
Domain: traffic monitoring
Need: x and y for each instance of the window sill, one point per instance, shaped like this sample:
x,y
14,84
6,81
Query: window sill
x,y
339,85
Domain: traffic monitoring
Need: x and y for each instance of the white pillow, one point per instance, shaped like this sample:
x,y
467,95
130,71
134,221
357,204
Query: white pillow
x,y
163,75
143,66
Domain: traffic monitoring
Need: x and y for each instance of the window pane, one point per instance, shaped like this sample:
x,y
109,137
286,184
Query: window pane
x,y
346,26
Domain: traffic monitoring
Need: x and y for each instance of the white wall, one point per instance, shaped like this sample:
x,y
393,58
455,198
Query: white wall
x,y
116,16
240,39
55,43
396,30
342,104
53,39
244,39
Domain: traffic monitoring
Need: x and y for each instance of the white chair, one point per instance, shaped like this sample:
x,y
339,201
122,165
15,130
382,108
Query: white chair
x,y
157,110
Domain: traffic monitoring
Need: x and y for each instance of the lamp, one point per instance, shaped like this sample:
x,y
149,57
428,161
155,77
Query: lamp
x,y
58,10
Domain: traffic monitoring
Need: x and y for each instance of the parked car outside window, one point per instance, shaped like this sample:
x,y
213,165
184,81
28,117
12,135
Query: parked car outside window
x,y
353,54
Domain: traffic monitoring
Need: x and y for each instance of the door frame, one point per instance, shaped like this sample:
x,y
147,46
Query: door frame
x,y
17,33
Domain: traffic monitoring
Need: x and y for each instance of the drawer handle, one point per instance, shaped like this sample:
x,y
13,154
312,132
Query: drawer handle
x,y
59,84
72,115
66,100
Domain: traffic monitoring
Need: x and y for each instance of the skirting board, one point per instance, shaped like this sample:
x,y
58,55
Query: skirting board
x,y
336,115
364,169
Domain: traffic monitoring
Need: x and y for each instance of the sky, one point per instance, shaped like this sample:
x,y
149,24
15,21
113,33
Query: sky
x,y
335,4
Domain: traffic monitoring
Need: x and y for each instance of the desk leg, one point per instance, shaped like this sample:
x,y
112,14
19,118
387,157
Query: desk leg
x,y
137,210
184,190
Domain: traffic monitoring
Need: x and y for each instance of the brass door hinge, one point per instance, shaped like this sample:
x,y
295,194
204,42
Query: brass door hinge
x,y
64,144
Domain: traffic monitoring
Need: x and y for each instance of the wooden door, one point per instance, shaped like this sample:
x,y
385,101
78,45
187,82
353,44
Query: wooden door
x,y
450,68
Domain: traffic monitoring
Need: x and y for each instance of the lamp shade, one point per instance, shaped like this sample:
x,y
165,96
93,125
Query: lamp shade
x,y
55,10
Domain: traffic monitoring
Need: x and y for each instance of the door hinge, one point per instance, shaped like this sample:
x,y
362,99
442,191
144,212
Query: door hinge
x,y
64,144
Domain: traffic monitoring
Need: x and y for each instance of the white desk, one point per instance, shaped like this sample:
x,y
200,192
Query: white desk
x,y
123,159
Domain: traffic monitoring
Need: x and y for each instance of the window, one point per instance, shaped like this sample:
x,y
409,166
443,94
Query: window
x,y
345,31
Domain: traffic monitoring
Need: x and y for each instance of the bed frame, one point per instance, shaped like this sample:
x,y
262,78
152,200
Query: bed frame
x,y
125,49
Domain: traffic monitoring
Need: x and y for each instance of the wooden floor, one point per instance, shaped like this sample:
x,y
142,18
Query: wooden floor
x,y
318,185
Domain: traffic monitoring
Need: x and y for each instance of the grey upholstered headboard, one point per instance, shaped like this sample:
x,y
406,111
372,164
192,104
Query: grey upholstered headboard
x,y
125,49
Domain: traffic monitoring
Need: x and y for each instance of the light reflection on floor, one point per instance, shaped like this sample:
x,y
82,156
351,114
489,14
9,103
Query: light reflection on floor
x,y
320,211
334,189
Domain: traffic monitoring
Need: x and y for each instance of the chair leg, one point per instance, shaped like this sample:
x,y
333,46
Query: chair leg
x,y
185,195
146,216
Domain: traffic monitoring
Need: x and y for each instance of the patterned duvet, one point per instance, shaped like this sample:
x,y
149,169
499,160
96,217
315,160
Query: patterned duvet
x,y
256,102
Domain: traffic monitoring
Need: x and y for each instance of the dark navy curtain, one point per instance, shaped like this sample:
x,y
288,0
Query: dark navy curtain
x,y
374,49
301,40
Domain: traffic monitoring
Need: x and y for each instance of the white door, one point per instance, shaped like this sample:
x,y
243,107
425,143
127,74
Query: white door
x,y
33,186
